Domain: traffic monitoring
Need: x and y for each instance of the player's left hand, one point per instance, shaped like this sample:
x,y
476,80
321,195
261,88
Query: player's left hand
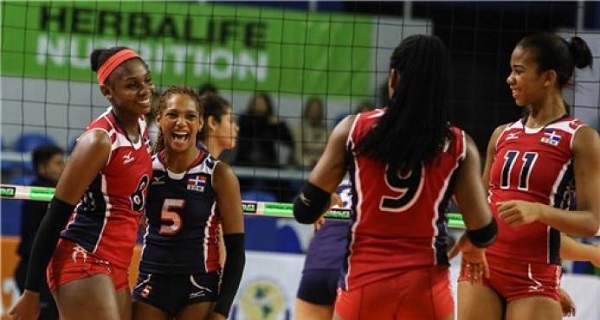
x,y
567,304
517,212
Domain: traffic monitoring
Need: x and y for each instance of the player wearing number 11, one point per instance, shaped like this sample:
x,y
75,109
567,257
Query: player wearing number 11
x,y
533,166
405,162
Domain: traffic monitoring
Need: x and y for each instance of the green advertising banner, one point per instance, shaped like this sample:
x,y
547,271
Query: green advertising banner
x,y
233,47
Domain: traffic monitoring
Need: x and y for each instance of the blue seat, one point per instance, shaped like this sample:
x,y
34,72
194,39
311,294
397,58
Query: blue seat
x,y
31,140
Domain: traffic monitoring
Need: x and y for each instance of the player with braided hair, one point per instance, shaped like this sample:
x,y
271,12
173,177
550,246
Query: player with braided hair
x,y
405,162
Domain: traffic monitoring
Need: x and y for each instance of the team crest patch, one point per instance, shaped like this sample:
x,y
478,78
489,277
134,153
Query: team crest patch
x,y
196,183
551,137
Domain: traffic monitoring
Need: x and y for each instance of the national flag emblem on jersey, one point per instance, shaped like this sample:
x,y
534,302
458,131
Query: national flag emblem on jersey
x,y
551,137
196,183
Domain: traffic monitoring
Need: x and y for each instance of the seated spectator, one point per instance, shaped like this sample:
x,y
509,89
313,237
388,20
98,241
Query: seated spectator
x,y
310,134
260,133
48,163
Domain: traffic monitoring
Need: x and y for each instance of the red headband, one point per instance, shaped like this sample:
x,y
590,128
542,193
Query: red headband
x,y
113,62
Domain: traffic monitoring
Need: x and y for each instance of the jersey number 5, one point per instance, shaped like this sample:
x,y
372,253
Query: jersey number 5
x,y
509,163
409,186
171,220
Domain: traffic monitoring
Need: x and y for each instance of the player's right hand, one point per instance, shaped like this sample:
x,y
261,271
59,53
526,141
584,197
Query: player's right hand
x,y
473,259
566,303
27,307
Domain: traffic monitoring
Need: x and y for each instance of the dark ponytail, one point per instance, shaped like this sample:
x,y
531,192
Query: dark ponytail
x,y
415,126
555,53
581,53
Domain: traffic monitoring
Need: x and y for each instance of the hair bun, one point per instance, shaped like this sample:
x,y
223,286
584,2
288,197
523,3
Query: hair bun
x,y
581,53
94,59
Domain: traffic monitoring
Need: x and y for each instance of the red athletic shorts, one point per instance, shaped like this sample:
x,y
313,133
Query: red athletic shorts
x,y
512,279
72,262
419,293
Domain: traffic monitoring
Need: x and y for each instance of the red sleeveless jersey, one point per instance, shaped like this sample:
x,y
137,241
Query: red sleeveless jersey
x,y
106,219
399,218
534,165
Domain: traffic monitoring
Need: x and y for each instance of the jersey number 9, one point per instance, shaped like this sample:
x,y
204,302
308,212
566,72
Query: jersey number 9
x,y
408,185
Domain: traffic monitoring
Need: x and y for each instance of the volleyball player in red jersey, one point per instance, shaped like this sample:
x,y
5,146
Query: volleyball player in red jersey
x,y
532,168
101,194
405,162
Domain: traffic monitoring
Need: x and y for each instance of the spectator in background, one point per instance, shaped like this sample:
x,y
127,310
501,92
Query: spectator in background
x,y
48,163
310,134
260,132
207,88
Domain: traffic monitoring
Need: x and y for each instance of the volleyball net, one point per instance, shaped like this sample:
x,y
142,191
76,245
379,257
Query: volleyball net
x,y
338,56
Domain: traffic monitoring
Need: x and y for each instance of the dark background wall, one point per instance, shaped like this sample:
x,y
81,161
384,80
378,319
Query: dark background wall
x,y
480,37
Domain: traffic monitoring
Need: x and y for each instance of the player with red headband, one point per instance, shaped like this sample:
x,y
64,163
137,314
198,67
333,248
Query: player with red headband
x,y
101,195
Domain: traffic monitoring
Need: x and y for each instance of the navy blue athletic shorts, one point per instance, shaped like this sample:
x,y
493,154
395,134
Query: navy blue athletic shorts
x,y
171,293
318,286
